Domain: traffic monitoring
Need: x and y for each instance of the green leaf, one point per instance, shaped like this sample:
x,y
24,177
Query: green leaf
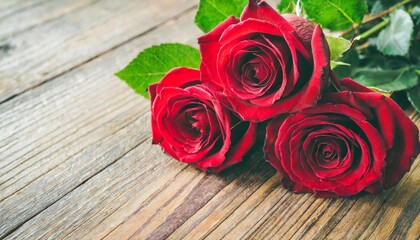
x,y
389,3
395,39
212,12
377,7
415,13
154,62
351,57
413,95
395,64
337,46
287,6
388,80
335,64
335,14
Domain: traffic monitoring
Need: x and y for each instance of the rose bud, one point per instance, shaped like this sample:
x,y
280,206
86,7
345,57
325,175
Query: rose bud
x,y
193,127
352,141
261,65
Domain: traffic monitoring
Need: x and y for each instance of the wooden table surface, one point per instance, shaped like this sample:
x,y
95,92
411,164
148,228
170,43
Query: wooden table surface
x,y
76,159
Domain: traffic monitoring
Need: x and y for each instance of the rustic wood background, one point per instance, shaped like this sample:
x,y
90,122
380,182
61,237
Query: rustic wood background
x,y
76,159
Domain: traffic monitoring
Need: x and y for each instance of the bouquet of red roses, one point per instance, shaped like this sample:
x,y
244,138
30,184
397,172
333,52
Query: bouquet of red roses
x,y
323,135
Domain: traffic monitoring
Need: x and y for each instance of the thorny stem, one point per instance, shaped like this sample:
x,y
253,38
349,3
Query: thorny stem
x,y
376,16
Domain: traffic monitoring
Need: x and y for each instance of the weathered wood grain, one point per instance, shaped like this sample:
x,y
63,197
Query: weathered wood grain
x,y
11,7
20,138
48,50
36,14
64,132
376,217
134,203
76,160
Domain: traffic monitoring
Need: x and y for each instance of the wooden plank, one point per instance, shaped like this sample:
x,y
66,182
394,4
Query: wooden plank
x,y
154,221
138,203
362,209
66,131
76,162
394,219
283,215
224,212
14,141
57,46
11,7
28,17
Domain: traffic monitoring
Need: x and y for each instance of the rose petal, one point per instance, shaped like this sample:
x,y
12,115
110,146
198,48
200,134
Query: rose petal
x,y
270,145
240,148
209,47
303,28
405,149
320,75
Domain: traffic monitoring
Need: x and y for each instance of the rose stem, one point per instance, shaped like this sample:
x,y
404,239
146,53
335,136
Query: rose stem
x,y
376,16
375,29
335,81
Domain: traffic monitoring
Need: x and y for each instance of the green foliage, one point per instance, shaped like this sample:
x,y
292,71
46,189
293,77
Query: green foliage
x,y
395,39
335,14
287,6
413,95
335,64
377,7
337,46
385,57
415,13
350,57
154,62
388,80
388,3
212,12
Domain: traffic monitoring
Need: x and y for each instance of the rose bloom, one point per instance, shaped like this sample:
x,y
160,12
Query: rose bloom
x,y
264,64
193,127
353,141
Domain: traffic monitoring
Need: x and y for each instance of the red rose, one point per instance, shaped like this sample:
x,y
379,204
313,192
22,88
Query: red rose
x,y
353,141
261,65
193,127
